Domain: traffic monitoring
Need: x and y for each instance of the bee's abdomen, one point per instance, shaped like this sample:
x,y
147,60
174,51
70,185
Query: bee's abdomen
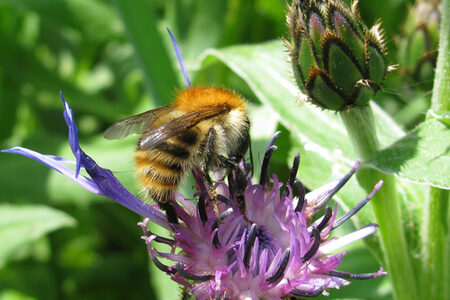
x,y
173,150
161,169
159,173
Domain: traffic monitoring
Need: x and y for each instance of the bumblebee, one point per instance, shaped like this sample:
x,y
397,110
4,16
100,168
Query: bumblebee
x,y
205,127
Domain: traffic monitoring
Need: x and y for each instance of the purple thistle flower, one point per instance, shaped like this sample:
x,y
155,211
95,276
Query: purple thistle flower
x,y
272,249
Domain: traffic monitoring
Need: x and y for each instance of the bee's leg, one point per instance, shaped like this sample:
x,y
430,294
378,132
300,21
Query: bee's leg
x,y
171,214
250,170
237,175
210,141
237,180
209,155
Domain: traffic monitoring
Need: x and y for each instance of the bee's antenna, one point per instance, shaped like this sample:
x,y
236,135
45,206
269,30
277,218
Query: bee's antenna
x,y
180,58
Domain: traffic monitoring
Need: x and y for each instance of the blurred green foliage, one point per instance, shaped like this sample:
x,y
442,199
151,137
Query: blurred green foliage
x,y
112,59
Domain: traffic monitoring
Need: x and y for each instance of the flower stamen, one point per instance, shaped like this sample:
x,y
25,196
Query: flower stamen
x,y
326,218
265,165
215,226
293,173
273,139
301,195
308,294
153,236
158,264
249,242
280,272
360,276
315,246
182,272
224,200
338,186
202,207
360,205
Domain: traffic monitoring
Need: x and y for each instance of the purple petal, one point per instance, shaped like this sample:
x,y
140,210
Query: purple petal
x,y
56,163
180,59
106,182
73,133
103,182
111,187
334,244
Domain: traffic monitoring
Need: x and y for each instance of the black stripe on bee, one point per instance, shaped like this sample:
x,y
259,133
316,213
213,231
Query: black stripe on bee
x,y
174,167
160,163
188,137
173,150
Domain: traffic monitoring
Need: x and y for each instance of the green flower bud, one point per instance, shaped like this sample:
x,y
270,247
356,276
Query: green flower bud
x,y
337,61
418,46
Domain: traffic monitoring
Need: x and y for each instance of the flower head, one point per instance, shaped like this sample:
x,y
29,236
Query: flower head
x,y
337,61
273,249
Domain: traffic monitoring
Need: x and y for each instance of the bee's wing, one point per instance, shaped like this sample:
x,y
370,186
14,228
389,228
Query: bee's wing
x,y
135,124
179,125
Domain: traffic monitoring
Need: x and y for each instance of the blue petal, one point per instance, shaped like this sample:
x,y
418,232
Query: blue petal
x,y
102,181
180,59
55,163
111,187
73,133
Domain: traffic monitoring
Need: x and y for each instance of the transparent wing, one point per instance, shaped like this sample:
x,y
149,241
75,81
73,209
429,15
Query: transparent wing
x,y
135,124
179,125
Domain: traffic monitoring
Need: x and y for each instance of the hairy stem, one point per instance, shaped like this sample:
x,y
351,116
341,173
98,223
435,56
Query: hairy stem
x,y
441,90
435,241
386,204
436,223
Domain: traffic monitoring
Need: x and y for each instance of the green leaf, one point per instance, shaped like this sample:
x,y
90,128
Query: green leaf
x,y
22,225
142,28
13,295
422,156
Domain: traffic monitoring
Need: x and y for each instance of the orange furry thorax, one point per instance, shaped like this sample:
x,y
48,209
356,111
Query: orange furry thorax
x,y
195,98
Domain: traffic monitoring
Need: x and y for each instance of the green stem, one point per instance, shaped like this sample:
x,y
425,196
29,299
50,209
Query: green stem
x,y
361,128
441,90
435,264
436,223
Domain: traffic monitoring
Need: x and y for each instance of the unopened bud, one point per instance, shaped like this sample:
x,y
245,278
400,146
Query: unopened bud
x,y
337,61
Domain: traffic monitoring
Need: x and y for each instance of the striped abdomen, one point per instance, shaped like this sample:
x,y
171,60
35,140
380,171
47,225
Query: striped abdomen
x,y
161,169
